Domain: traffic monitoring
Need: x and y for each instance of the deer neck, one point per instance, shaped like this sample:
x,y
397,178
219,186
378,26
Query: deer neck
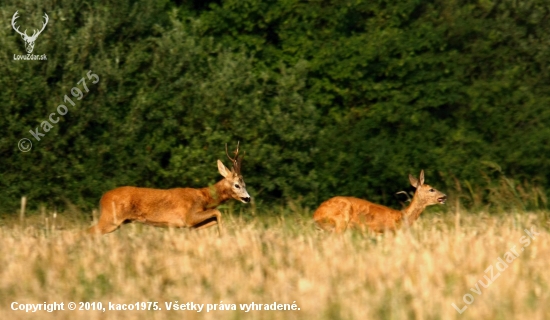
x,y
413,211
216,194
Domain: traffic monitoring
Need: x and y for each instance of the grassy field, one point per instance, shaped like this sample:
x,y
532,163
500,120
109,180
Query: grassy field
x,y
280,257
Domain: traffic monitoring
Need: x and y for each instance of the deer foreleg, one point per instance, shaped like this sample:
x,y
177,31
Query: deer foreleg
x,y
198,220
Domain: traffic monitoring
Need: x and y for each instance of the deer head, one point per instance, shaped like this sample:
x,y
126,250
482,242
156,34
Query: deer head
x,y
234,178
29,41
425,194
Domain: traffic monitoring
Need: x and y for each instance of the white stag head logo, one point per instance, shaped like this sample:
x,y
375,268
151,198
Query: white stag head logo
x,y
29,41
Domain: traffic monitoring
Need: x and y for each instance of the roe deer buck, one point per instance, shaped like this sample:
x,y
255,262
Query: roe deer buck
x,y
179,207
339,213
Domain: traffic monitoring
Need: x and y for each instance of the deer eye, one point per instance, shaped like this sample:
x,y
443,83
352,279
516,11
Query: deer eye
x,y
432,190
237,186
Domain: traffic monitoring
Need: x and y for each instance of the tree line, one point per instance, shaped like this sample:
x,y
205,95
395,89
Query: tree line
x,y
326,98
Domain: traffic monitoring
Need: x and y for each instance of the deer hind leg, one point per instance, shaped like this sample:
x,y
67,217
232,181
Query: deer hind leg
x,y
108,221
326,223
334,225
199,220
341,217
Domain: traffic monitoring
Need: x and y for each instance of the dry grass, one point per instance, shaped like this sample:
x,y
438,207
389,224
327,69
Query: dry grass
x,y
415,274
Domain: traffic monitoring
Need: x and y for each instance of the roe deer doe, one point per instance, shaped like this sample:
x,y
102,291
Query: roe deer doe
x,y
340,213
179,207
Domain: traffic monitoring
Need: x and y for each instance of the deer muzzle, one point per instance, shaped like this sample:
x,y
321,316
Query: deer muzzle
x,y
245,199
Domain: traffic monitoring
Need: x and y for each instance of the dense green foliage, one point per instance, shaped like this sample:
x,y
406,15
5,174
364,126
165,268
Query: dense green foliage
x,y
326,97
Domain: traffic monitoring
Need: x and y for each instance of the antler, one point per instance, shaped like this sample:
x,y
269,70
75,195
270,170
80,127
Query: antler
x,y
406,194
43,26
235,161
15,16
34,34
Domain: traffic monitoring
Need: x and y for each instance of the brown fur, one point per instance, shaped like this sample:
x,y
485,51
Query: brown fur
x,y
340,213
179,207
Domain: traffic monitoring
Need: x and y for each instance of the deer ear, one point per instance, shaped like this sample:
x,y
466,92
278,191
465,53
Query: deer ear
x,y
414,181
223,170
421,178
